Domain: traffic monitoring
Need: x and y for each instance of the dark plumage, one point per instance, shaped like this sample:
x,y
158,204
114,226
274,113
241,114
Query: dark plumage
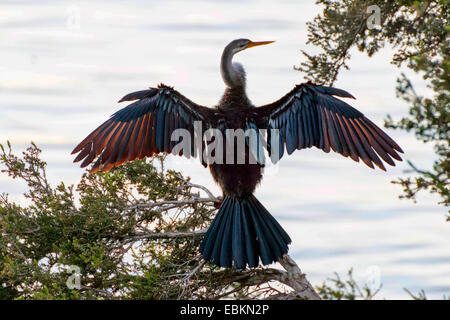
x,y
243,232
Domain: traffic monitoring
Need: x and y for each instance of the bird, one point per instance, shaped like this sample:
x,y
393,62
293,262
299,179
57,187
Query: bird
x,y
243,234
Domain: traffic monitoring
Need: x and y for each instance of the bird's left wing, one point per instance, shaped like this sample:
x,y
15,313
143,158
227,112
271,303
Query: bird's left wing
x,y
141,129
310,115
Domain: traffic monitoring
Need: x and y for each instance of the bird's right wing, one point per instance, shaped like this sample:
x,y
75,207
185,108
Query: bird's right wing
x,y
142,128
310,115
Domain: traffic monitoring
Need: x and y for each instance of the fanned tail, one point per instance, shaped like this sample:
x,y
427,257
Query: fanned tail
x,y
242,233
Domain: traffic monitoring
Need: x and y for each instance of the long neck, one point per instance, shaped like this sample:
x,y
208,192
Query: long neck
x,y
232,76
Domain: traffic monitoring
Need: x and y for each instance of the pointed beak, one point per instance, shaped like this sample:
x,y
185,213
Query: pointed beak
x,y
260,43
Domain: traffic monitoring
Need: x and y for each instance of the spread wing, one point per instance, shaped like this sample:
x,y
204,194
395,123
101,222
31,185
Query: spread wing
x,y
141,129
310,115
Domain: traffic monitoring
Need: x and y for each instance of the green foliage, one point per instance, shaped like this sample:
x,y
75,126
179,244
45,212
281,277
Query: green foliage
x,y
338,289
100,228
419,32
422,296
133,233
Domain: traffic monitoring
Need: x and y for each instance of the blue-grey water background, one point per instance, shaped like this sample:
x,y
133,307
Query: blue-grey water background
x,y
64,65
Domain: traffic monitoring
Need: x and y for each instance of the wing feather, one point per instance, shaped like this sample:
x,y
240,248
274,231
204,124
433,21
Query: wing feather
x,y
141,129
311,115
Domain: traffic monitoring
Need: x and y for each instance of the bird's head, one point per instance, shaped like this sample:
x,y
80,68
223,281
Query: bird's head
x,y
238,45
233,74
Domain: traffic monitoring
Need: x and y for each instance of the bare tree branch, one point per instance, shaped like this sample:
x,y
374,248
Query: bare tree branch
x,y
165,235
297,280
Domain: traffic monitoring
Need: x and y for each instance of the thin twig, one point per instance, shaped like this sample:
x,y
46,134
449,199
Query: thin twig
x,y
165,235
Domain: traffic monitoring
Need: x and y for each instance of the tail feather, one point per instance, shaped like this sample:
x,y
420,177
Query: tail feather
x,y
225,247
263,235
279,233
242,233
238,251
216,244
250,242
207,245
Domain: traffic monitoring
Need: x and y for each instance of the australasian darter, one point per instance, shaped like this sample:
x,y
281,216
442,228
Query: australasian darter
x,y
243,231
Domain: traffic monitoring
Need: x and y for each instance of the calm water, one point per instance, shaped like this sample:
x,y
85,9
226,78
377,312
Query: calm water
x,y
63,66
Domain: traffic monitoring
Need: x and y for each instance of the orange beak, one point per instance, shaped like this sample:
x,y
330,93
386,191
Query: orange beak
x,y
260,43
